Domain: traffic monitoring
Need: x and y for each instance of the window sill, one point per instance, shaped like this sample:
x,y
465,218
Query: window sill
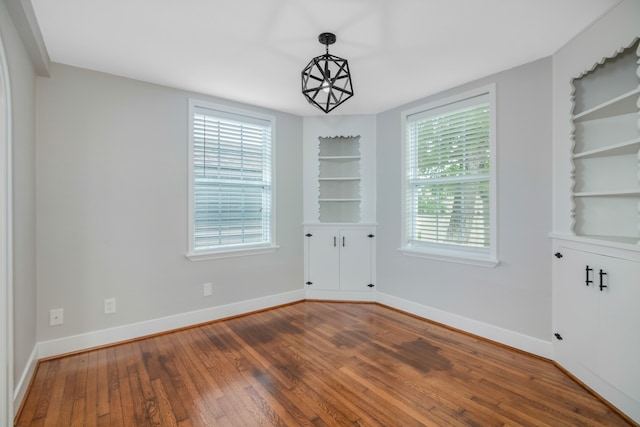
x,y
481,260
231,253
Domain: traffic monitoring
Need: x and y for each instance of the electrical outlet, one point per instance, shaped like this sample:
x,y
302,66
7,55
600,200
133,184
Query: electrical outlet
x,y
109,306
56,317
207,289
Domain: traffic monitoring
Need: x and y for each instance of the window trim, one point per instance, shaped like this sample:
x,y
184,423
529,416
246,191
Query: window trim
x,y
234,250
446,252
6,243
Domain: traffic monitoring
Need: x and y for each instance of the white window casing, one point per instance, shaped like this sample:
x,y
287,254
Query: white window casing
x,y
231,176
449,179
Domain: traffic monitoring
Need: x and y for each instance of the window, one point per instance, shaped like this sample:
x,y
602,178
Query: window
x,y
450,180
231,191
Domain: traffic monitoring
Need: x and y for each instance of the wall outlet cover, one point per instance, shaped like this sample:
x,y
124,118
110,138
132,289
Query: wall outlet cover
x,y
56,317
109,306
207,289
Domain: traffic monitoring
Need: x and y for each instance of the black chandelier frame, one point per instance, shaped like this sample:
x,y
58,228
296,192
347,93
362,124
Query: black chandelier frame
x,y
326,80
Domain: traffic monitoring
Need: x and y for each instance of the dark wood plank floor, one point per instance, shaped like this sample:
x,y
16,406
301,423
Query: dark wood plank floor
x,y
312,364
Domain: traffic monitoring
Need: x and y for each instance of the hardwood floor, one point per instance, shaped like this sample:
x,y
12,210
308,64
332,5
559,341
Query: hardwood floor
x,y
313,364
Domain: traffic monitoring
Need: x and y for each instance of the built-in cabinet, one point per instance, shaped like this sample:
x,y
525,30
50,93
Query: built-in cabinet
x,y
597,320
596,231
339,207
339,259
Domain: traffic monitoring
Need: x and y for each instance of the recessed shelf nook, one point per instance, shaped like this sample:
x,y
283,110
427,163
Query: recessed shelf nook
x,y
606,149
339,179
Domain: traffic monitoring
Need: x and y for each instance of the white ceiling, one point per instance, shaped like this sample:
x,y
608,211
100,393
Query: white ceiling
x,y
253,51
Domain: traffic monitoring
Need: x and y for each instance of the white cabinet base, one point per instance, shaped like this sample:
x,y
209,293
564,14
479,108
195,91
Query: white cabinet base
x,y
599,327
321,294
339,262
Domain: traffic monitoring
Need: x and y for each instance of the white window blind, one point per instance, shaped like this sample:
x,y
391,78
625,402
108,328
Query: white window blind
x,y
448,168
232,191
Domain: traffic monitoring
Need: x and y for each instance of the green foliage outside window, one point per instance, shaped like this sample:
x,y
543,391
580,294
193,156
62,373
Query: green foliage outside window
x,y
449,178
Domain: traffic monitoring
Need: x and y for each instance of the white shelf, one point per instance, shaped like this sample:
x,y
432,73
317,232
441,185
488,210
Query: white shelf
x,y
615,193
615,239
339,158
623,104
355,178
339,200
620,149
604,241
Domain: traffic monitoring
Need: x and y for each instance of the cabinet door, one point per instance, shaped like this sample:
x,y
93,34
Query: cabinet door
x,y
619,328
600,327
355,260
576,307
323,259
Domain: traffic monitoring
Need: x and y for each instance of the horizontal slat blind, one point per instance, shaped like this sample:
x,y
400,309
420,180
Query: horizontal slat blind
x,y
232,180
448,170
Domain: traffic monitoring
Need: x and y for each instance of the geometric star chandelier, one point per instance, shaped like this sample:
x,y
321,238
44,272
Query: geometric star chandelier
x,y
326,81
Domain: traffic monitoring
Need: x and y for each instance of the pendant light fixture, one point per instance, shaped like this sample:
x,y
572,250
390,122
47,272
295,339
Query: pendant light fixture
x,y
326,81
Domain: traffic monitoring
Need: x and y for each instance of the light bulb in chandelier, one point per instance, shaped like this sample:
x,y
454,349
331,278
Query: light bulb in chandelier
x,y
326,83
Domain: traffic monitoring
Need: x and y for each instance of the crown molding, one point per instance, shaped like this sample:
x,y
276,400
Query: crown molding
x,y
26,24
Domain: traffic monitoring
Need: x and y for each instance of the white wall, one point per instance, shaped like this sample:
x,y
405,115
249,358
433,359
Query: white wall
x,y
112,207
22,81
516,295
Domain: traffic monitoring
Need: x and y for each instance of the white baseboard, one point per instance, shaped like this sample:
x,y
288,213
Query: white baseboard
x,y
494,333
149,327
22,385
618,398
360,296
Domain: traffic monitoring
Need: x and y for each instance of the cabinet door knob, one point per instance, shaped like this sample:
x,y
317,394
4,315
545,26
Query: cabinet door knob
x,y
558,255
371,285
334,241
343,241
308,235
309,283
558,336
371,236
602,285
587,281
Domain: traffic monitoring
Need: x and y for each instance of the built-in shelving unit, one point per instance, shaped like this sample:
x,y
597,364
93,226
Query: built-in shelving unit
x,y
339,207
339,179
596,208
606,149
